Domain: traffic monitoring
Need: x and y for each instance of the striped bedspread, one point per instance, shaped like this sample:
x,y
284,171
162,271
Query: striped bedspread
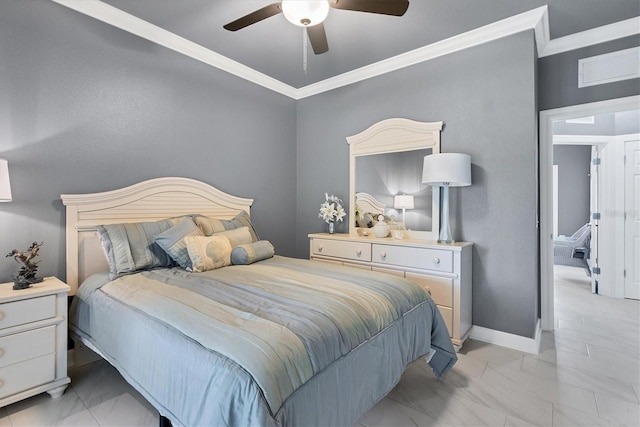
x,y
261,332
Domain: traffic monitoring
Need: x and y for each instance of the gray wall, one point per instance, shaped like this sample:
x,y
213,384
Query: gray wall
x,y
86,107
486,98
558,77
573,186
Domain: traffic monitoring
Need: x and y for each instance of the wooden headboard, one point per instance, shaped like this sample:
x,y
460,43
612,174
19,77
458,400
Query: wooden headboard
x,y
150,200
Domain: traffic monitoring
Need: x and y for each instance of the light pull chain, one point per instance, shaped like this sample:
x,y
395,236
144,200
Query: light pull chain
x,y
304,49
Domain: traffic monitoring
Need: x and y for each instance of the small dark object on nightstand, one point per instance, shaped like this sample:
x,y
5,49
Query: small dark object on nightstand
x,y
27,274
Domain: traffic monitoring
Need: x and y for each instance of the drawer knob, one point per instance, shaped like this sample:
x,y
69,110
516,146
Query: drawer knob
x,y
320,248
436,260
383,255
359,252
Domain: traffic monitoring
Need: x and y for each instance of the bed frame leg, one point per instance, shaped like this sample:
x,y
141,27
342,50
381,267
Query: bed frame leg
x,y
164,421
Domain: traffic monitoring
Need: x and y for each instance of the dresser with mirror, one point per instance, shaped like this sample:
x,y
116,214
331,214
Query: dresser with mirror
x,y
385,160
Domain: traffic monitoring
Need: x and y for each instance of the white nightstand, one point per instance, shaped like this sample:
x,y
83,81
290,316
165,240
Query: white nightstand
x,y
33,340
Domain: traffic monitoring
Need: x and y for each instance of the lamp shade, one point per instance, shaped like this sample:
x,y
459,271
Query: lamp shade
x,y
5,184
403,201
447,169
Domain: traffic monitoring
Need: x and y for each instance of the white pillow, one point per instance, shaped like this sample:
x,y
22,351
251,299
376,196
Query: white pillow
x,y
208,252
236,237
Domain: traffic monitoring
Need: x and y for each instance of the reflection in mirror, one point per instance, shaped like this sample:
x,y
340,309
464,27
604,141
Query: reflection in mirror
x,y
386,175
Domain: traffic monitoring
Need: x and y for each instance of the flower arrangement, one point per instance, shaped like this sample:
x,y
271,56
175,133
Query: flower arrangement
x,y
331,210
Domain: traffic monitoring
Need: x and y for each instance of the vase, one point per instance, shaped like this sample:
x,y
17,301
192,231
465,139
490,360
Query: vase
x,y
331,227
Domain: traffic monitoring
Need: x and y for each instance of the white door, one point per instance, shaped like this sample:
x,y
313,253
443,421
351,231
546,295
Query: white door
x,y
632,219
593,208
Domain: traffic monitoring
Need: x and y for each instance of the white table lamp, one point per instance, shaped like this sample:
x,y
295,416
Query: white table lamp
x,y
5,184
404,202
446,170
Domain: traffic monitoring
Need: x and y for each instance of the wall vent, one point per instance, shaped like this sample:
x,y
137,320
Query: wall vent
x,y
610,67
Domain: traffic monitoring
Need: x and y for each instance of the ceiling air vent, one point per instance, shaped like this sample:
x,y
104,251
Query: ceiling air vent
x,y
611,67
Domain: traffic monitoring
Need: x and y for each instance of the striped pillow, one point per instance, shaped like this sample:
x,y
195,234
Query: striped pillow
x,y
173,242
251,252
210,226
131,247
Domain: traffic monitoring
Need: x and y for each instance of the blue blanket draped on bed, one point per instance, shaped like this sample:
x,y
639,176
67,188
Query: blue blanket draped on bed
x,y
278,342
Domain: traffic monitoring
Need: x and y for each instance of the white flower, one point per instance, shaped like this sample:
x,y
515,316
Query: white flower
x,y
331,210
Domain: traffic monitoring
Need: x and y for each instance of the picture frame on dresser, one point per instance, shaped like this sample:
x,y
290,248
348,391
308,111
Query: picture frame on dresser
x,y
33,340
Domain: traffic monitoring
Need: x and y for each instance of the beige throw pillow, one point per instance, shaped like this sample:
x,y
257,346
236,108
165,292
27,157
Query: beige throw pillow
x,y
208,253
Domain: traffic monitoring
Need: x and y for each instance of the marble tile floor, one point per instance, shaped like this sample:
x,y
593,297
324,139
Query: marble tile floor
x,y
587,374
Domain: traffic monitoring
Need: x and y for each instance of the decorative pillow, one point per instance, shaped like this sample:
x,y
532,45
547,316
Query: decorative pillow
x,y
251,252
172,241
236,237
209,226
130,247
208,252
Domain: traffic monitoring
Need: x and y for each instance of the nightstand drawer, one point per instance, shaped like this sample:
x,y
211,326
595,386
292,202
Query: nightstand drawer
x,y
347,250
27,345
27,311
24,375
432,259
440,288
447,316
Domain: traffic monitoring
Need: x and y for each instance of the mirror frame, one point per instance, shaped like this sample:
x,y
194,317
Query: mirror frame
x,y
392,136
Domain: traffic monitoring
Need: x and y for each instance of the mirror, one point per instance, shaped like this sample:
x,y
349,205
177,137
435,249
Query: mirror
x,y
387,175
386,160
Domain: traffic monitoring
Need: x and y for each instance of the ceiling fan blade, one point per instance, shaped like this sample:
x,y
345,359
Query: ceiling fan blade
x,y
318,38
253,17
384,7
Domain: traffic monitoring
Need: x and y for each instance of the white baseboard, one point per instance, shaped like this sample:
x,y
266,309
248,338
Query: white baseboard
x,y
512,341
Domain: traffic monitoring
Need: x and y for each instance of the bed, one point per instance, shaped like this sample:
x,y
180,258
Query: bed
x,y
267,340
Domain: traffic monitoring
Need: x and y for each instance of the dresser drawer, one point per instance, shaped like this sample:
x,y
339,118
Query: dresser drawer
x,y
27,345
440,288
432,259
27,311
25,375
348,250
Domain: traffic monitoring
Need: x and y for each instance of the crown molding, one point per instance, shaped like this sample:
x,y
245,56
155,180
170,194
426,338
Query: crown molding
x,y
505,27
535,19
606,33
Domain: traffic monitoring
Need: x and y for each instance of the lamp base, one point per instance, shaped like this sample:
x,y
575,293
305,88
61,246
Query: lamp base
x,y
446,242
445,229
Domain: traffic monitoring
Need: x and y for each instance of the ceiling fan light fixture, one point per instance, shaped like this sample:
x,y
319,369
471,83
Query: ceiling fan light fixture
x,y
305,13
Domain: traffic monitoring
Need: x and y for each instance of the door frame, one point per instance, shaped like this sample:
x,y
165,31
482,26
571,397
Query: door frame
x,y
547,117
597,143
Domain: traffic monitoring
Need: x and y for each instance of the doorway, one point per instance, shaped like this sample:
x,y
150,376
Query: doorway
x,y
547,118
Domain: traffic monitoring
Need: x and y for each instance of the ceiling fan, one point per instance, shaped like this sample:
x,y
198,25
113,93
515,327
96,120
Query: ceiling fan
x,y
311,14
